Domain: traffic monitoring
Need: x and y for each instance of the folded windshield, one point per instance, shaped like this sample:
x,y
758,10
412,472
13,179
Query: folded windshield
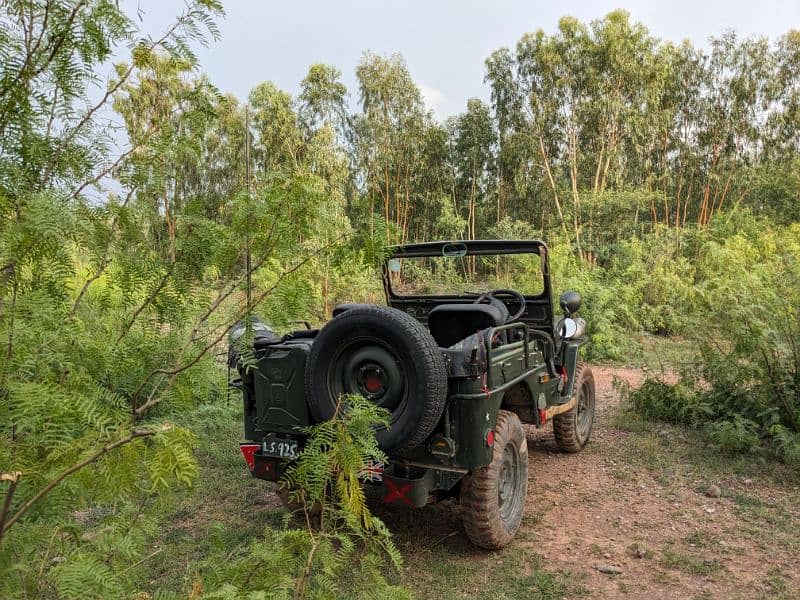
x,y
457,275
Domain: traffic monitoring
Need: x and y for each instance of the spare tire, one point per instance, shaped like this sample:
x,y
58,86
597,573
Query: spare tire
x,y
388,357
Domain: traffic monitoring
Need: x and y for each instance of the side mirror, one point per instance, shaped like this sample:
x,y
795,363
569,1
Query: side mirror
x,y
570,302
569,328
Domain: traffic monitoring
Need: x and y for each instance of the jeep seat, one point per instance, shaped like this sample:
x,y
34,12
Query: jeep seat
x,y
451,323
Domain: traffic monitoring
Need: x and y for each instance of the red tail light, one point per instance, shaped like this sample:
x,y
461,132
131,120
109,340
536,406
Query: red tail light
x,y
490,438
542,416
248,451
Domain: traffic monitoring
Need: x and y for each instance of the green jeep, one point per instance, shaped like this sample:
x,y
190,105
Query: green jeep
x,y
459,371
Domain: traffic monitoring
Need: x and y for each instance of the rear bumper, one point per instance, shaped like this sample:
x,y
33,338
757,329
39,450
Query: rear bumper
x,y
261,466
411,485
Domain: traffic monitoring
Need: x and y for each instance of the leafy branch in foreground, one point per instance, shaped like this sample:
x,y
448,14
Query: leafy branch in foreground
x,y
346,552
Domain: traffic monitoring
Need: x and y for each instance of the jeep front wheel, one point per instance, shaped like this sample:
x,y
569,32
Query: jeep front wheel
x,y
573,428
493,497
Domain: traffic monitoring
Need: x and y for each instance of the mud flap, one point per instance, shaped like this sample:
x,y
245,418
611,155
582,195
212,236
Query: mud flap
x,y
411,491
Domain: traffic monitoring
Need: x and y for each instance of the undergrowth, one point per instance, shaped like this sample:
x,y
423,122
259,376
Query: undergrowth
x,y
339,549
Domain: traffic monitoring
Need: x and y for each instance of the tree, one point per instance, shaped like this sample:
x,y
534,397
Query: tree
x,y
389,135
473,140
68,392
323,99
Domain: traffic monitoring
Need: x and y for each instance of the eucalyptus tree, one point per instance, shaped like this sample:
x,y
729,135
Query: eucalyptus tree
x,y
776,181
733,116
225,169
278,140
473,142
432,187
626,88
784,118
389,135
167,112
511,155
322,107
323,99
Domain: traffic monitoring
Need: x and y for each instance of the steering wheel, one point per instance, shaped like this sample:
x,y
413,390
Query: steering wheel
x,y
491,298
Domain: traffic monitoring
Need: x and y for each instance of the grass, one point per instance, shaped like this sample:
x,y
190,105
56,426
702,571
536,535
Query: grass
x,y
684,457
512,573
689,563
442,564
778,517
700,539
670,447
216,520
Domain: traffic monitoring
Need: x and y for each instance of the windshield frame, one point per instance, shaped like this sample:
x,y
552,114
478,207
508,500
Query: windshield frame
x,y
538,313
473,248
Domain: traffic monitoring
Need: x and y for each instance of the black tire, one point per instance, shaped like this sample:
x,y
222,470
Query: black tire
x,y
574,427
385,355
493,497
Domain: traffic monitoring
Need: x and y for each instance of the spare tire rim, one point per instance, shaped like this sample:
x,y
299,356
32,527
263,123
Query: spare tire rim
x,y
584,413
369,367
509,483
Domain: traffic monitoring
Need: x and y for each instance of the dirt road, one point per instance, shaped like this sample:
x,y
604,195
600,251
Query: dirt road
x,y
637,500
632,502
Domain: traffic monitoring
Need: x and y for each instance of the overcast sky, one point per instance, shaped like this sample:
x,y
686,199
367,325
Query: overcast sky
x,y
444,42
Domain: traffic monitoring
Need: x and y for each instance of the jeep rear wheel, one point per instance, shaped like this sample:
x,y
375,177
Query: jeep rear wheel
x,y
493,497
573,428
389,358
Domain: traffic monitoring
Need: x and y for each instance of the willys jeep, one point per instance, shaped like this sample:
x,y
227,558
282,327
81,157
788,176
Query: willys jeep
x,y
458,370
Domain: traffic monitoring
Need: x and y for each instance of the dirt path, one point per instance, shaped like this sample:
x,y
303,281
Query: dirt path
x,y
599,507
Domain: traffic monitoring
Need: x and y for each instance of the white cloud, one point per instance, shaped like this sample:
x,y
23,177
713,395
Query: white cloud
x,y
434,98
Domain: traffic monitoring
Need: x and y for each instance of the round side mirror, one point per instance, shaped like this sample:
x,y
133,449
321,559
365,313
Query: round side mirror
x,y
570,302
568,328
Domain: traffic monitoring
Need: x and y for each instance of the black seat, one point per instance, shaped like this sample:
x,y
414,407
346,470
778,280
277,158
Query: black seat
x,y
451,323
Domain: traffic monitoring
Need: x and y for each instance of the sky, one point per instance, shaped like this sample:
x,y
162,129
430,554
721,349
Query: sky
x,y
444,42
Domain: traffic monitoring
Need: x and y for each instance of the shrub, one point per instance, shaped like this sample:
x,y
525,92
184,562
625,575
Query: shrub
x,y
745,390
672,403
319,561
736,434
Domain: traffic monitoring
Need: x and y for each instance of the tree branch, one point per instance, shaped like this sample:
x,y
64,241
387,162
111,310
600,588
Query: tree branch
x,y
13,480
173,373
87,117
127,327
103,262
135,434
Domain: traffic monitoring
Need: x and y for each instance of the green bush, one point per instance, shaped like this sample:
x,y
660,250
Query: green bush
x,y
735,434
745,386
672,403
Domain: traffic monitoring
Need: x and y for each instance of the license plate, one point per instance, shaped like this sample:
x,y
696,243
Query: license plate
x,y
279,448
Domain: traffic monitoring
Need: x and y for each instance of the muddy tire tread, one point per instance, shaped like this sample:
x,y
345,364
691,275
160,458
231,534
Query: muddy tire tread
x,y
479,510
565,425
